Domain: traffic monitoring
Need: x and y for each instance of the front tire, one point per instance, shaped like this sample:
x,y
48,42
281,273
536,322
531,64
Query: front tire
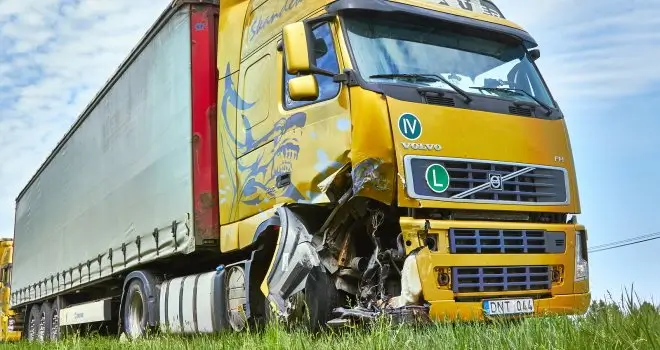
x,y
321,297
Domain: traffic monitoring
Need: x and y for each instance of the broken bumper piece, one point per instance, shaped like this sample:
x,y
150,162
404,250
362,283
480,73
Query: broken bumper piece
x,y
401,315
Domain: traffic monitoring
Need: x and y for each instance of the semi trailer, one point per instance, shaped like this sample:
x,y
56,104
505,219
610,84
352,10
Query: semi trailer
x,y
316,160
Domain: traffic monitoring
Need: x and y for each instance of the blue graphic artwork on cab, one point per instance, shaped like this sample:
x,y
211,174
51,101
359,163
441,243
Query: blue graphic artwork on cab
x,y
260,176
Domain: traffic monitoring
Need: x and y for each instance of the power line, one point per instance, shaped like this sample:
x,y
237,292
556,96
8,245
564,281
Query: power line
x,y
625,240
614,245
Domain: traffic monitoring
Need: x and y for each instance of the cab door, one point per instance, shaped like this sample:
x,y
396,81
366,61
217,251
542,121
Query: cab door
x,y
299,143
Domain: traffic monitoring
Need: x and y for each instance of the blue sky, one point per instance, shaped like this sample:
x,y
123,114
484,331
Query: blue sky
x,y
599,58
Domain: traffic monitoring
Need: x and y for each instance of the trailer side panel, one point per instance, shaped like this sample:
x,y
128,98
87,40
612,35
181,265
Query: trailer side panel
x,y
107,198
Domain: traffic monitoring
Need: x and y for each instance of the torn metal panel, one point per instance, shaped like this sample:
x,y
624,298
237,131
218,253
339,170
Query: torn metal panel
x,y
295,258
373,175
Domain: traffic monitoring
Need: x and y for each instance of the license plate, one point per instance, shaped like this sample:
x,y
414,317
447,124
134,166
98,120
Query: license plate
x,y
508,306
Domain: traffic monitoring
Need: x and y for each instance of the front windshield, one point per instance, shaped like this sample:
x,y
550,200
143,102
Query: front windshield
x,y
470,60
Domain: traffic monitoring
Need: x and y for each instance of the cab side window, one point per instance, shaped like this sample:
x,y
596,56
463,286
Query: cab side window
x,y
326,58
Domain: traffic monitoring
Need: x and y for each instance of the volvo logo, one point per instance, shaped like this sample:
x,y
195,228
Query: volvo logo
x,y
495,181
421,146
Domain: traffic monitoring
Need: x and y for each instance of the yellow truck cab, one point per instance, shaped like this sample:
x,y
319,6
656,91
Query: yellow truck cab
x,y
8,331
424,157
341,159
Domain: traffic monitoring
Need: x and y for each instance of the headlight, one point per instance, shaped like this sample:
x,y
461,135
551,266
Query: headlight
x,y
10,324
581,263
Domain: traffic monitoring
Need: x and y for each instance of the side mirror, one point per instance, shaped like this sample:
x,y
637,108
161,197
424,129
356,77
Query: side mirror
x,y
301,51
304,88
535,54
297,51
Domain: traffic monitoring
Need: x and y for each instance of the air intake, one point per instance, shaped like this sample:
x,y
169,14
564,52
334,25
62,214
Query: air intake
x,y
526,112
439,100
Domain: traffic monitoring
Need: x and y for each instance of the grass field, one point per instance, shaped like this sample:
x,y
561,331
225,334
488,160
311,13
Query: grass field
x,y
607,325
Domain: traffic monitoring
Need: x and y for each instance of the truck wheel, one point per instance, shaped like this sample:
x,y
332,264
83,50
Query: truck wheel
x,y
135,310
320,297
45,321
235,297
54,318
32,326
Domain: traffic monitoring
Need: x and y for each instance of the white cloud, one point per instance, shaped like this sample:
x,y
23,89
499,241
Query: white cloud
x,y
593,49
54,56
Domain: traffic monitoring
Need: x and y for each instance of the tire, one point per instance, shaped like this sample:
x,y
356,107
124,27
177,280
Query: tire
x,y
136,311
321,297
32,324
55,331
45,321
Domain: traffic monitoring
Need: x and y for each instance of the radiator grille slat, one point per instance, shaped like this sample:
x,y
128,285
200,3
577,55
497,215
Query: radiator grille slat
x,y
499,241
501,279
472,180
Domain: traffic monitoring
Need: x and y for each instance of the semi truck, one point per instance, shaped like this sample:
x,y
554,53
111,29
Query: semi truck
x,y
321,161
9,327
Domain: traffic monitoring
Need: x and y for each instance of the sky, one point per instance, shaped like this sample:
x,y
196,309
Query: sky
x,y
598,58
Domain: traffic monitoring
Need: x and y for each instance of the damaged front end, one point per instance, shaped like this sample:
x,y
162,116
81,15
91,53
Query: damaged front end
x,y
386,284
346,262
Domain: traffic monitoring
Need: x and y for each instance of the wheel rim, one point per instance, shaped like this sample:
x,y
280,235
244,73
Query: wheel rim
x,y
236,299
135,315
55,327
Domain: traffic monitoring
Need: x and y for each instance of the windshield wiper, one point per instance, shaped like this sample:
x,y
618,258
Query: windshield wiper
x,y
547,108
426,77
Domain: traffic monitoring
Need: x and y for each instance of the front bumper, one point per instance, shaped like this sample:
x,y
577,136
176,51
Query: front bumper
x,y
563,297
471,311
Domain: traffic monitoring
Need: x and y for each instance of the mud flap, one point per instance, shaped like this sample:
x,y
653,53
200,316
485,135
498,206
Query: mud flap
x,y
294,259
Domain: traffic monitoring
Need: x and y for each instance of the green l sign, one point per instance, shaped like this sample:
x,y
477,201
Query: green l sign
x,y
437,178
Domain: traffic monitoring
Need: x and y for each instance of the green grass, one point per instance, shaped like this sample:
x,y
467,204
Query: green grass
x,y
607,325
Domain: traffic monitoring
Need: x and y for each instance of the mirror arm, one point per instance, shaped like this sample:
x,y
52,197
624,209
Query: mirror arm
x,y
317,70
348,78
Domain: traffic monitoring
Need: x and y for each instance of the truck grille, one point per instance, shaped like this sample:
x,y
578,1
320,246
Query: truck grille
x,y
494,241
501,279
474,180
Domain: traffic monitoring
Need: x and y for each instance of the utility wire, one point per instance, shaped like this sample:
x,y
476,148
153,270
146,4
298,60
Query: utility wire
x,y
650,235
627,242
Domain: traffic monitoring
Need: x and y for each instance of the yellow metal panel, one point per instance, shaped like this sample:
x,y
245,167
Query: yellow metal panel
x,y
471,311
227,179
266,19
229,237
372,152
464,133
248,227
257,86
310,143
459,12
429,262
231,16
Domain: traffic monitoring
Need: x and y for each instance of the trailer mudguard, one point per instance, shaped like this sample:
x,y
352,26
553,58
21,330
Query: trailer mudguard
x,y
294,259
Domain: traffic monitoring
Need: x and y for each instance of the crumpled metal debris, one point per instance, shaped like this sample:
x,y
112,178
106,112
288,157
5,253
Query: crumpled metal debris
x,y
401,315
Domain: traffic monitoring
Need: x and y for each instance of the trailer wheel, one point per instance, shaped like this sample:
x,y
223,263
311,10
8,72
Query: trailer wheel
x,y
32,325
135,310
54,317
45,321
